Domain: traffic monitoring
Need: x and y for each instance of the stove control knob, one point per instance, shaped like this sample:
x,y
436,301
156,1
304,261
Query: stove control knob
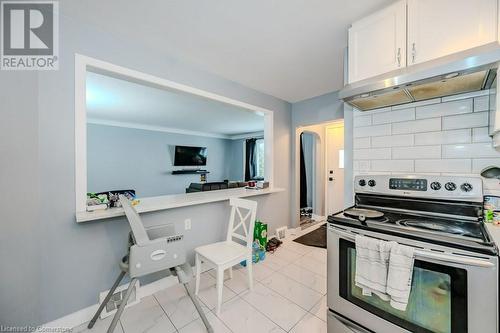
x,y
450,186
362,182
371,183
436,186
466,187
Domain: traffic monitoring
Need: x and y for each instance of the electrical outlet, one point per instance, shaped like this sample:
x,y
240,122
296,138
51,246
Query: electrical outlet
x,y
187,224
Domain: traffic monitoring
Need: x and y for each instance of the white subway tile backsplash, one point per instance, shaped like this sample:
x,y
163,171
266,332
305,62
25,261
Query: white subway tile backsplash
x,y
482,103
372,154
403,140
481,134
417,126
444,109
415,104
365,120
418,152
443,137
361,165
472,150
358,113
465,96
479,119
375,130
480,164
441,165
392,165
429,137
394,116
361,143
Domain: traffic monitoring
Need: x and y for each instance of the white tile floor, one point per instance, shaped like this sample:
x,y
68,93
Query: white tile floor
x,y
289,296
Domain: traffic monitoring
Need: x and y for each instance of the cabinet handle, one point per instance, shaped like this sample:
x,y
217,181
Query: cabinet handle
x,y
399,57
413,53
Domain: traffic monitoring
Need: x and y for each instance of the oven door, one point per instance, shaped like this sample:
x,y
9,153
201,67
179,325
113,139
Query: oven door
x,y
451,293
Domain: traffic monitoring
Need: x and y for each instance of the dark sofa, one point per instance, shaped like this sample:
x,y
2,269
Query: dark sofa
x,y
214,186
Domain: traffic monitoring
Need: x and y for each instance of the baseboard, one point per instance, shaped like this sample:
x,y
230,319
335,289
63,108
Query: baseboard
x,y
84,315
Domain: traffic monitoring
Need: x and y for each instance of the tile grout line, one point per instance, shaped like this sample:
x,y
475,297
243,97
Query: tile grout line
x,y
262,313
165,312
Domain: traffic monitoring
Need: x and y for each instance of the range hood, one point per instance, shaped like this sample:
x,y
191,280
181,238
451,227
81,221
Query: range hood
x,y
463,72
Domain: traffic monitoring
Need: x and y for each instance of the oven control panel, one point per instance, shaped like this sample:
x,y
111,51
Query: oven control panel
x,y
405,184
423,186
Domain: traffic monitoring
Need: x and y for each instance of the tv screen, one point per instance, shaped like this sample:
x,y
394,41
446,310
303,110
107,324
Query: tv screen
x,y
190,156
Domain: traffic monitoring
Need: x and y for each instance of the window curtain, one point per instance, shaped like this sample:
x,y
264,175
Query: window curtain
x,y
303,177
250,165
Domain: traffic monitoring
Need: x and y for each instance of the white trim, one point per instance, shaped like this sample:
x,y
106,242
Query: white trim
x,y
155,128
318,218
247,135
80,133
84,63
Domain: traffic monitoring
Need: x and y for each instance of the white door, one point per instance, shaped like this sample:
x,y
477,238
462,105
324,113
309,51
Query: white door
x,y
335,168
441,27
377,43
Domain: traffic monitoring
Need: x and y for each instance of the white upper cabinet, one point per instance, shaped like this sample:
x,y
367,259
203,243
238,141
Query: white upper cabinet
x,y
377,43
438,28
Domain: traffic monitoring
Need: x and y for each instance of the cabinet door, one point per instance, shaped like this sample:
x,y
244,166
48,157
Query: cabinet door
x,y
438,28
377,43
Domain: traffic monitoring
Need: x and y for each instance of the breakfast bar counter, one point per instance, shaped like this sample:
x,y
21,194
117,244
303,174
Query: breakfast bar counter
x,y
152,204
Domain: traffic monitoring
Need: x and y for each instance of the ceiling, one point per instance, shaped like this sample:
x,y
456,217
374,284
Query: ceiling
x,y
122,103
290,49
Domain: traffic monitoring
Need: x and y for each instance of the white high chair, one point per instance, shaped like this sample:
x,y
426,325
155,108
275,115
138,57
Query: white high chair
x,y
224,255
149,251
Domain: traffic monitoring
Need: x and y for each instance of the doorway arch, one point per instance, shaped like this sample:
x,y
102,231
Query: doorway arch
x,y
322,197
317,172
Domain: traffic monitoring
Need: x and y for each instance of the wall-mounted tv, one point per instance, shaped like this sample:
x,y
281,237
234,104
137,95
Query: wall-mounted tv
x,y
190,156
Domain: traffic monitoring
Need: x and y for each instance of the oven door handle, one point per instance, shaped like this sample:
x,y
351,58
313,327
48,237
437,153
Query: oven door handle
x,y
454,258
425,254
348,324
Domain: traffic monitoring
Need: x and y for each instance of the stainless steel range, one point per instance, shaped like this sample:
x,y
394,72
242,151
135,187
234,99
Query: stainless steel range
x,y
455,276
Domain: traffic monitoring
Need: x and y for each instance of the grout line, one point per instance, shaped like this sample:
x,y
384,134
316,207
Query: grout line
x,y
165,312
302,318
321,300
270,319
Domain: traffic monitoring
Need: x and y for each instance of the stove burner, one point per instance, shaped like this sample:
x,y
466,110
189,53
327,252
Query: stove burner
x,y
363,214
433,226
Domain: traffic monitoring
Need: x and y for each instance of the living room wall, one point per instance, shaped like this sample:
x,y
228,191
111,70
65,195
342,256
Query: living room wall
x,y
142,160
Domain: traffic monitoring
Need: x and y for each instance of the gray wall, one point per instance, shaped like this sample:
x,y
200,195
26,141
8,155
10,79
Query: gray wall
x,y
52,266
20,228
317,110
127,158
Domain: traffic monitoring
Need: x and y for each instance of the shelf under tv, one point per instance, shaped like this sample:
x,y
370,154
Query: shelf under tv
x,y
190,172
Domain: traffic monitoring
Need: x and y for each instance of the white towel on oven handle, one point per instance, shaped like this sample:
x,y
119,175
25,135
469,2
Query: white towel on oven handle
x,y
372,264
399,277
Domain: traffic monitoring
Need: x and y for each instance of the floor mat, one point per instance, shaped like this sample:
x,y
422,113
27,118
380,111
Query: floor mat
x,y
315,238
